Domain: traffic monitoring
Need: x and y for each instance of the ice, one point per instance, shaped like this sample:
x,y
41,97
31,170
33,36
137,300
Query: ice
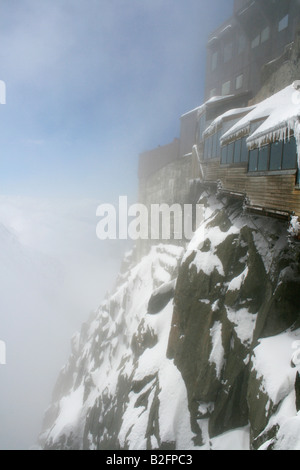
x,y
279,116
217,352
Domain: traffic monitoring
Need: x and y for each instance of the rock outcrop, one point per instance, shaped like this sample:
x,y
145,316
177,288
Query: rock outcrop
x,y
197,348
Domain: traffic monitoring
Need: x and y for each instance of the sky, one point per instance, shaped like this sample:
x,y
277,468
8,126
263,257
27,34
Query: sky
x,y
90,84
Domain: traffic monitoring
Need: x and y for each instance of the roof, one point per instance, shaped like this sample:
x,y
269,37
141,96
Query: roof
x,y
212,101
228,115
280,115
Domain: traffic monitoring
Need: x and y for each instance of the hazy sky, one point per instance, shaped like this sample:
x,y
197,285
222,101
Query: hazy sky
x,y
90,85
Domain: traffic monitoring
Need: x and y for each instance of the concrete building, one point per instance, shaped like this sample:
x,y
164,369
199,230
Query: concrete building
x,y
257,33
252,56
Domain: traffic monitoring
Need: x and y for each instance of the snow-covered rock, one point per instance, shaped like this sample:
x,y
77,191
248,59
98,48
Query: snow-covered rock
x,y
214,364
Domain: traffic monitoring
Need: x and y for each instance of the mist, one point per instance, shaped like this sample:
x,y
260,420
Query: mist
x,y
54,273
89,86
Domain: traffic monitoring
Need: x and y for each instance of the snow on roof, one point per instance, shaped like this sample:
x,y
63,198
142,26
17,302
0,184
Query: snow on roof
x,y
280,115
232,113
202,107
215,99
192,111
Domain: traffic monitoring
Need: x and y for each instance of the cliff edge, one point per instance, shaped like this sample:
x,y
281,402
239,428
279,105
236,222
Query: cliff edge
x,y
198,347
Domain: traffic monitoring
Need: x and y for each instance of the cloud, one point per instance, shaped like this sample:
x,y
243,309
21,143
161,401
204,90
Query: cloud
x,y
53,273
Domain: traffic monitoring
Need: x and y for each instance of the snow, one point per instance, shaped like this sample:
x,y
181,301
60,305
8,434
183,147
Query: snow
x,y
70,408
280,115
288,437
128,316
244,324
217,351
294,228
232,113
272,363
238,439
208,261
104,352
237,282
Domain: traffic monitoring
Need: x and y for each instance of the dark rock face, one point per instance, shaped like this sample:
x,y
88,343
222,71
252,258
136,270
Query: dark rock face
x,y
176,358
202,300
161,297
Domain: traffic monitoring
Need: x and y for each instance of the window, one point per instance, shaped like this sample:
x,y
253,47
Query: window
x,y
219,135
230,153
239,82
212,93
228,50
289,160
283,23
276,155
209,142
253,160
255,42
226,88
214,61
224,155
263,158
265,34
237,151
244,150
214,146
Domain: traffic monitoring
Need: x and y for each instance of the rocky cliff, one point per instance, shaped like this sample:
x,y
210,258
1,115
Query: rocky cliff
x,y
198,347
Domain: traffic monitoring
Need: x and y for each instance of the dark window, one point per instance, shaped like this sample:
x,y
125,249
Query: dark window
x,y
244,150
214,146
224,154
289,154
226,88
237,151
253,160
219,135
239,82
283,23
276,155
230,153
263,158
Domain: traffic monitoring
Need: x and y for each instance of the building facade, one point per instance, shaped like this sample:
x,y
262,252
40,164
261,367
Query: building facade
x,y
257,33
251,85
